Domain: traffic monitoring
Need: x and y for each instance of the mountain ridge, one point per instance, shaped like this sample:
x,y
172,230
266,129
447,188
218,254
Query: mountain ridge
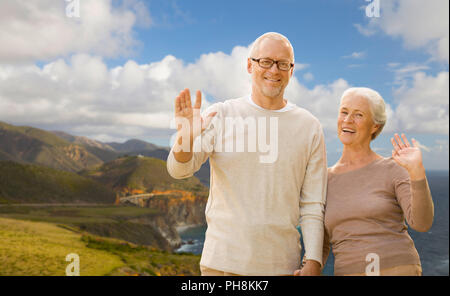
x,y
31,145
61,150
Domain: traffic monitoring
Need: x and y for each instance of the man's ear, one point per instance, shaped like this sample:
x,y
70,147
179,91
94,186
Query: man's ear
x,y
249,66
292,70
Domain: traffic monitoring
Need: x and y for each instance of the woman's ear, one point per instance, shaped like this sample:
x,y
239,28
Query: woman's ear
x,y
375,128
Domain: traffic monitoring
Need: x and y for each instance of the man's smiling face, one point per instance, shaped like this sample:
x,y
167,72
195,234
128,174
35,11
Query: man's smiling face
x,y
270,82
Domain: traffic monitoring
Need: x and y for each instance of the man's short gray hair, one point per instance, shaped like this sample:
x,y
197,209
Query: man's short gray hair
x,y
376,102
270,35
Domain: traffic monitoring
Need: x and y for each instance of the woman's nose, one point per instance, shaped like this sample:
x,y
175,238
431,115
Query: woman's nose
x,y
348,117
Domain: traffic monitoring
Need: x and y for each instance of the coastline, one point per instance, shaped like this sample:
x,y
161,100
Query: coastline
x,y
192,238
183,228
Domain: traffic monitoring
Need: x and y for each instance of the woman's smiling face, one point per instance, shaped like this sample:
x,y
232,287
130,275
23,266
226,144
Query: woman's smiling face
x,y
355,120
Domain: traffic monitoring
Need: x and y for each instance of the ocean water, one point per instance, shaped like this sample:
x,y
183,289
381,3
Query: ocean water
x,y
432,246
193,239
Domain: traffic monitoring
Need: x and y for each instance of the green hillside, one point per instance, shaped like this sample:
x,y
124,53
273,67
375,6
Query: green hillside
x,y
32,145
43,136
37,248
102,151
114,221
6,156
146,174
27,183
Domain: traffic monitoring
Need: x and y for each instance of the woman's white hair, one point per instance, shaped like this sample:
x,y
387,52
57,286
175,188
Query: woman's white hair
x,y
376,102
269,35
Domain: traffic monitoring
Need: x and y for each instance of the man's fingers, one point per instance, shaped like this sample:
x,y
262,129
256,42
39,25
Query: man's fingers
x,y
198,100
210,117
298,272
177,104
183,100
207,121
188,98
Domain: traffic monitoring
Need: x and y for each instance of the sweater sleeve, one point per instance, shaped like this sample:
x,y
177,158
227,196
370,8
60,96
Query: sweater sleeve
x,y
326,248
203,147
416,202
312,199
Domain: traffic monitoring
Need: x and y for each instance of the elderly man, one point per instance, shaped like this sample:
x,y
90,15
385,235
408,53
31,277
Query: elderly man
x,y
259,193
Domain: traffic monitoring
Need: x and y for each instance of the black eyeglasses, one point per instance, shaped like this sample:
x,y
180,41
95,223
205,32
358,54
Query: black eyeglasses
x,y
268,63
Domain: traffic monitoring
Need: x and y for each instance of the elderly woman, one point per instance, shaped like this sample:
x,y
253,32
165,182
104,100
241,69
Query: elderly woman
x,y
370,196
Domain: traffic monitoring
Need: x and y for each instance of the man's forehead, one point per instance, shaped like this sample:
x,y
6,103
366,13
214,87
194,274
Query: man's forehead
x,y
275,47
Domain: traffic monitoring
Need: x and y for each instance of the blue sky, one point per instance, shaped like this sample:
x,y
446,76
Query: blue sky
x,y
403,54
321,31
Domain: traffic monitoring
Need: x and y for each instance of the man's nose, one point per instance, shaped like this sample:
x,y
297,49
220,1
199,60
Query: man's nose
x,y
274,68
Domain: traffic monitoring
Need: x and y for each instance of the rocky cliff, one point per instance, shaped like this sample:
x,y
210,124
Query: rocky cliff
x,y
177,208
185,208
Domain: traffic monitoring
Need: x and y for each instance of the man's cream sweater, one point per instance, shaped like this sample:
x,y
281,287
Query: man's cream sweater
x,y
266,179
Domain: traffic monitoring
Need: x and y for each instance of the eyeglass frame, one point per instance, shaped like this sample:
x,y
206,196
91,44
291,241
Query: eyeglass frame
x,y
273,62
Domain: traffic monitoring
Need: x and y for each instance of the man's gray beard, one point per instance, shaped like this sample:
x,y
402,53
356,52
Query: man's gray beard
x,y
271,92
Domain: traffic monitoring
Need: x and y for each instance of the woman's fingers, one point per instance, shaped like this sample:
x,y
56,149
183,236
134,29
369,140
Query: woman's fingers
x,y
395,153
402,143
406,141
399,141
394,144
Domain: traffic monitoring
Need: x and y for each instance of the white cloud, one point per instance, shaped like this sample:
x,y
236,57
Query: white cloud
x,y
441,145
410,68
220,75
40,30
423,107
393,65
366,31
356,55
404,73
85,97
308,76
420,24
423,147
353,66
322,100
299,66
